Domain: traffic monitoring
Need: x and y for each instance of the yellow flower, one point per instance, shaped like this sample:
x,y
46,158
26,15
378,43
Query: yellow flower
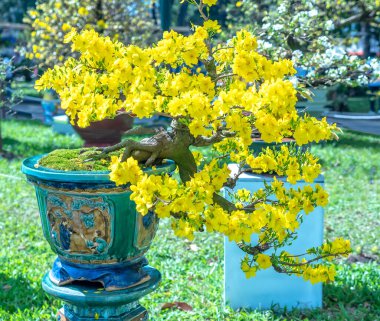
x,y
239,4
248,270
101,23
243,194
125,172
33,13
322,197
184,229
190,57
308,206
197,128
210,2
263,261
70,36
66,27
198,157
82,11
212,26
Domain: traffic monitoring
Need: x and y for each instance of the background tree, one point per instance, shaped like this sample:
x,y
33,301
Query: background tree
x,y
14,10
181,14
7,99
315,34
129,21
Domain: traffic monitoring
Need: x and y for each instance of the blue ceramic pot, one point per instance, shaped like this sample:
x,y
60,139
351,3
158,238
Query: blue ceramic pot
x,y
92,225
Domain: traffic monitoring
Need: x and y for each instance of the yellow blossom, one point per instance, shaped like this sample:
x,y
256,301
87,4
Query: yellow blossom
x,y
212,25
83,11
263,261
210,2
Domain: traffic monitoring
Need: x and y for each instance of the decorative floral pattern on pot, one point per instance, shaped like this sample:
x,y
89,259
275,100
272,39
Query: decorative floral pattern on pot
x,y
79,225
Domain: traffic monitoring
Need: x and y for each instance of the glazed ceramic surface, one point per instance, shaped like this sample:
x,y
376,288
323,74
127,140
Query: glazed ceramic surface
x,y
87,219
92,225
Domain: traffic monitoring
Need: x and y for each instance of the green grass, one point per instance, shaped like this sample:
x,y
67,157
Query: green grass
x,y
194,277
352,172
26,89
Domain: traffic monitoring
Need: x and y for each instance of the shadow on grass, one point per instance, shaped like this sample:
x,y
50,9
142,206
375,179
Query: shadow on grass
x,y
17,294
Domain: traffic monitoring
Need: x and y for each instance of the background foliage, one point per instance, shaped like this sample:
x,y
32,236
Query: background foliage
x,y
129,21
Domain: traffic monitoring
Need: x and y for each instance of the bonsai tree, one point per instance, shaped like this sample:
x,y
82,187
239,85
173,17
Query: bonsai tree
x,y
315,35
125,20
236,91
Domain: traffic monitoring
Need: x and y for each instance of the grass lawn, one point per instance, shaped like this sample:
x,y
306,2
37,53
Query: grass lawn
x,y
352,174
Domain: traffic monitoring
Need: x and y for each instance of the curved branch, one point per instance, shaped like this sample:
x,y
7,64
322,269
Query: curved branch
x,y
164,145
361,16
200,9
253,250
219,135
312,260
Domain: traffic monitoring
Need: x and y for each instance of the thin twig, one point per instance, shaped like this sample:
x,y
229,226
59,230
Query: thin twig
x,y
312,260
200,9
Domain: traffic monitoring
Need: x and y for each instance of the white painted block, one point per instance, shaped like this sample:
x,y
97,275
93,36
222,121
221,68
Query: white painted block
x,y
269,288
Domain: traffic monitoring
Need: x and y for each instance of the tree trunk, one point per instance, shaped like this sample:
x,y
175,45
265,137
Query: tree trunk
x,y
182,14
165,13
99,13
366,36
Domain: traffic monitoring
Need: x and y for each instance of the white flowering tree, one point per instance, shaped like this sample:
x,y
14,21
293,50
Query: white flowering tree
x,y
315,34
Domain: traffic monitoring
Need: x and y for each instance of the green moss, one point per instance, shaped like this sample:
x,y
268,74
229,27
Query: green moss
x,y
76,160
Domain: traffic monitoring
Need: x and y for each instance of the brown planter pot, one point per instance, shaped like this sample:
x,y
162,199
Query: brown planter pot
x,y
106,132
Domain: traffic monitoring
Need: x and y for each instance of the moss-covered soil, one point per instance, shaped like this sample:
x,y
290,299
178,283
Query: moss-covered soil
x,y
80,159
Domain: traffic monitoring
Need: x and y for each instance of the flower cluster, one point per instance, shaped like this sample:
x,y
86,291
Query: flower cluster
x,y
288,161
216,95
298,265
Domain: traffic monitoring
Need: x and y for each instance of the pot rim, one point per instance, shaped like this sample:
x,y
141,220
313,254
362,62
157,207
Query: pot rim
x,y
30,168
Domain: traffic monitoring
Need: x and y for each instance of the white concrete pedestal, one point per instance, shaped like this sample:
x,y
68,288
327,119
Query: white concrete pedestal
x,y
269,288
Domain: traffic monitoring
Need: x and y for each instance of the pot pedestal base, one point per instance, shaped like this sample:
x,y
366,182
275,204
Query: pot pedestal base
x,y
138,314
118,276
86,301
